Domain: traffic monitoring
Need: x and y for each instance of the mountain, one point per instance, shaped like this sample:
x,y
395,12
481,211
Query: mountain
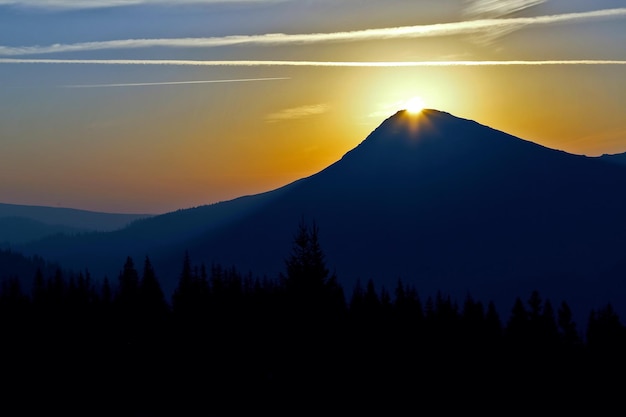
x,y
18,230
438,201
20,224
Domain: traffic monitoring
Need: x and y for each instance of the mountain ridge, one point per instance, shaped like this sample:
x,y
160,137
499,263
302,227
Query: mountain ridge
x,y
24,223
71,217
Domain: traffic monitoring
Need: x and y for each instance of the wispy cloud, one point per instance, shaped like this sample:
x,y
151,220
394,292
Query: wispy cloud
x,y
309,63
97,4
239,80
498,8
490,9
441,29
297,113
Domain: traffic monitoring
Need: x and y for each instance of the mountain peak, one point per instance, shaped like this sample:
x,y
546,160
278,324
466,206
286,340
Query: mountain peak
x,y
425,113
438,143
406,131
430,129
416,124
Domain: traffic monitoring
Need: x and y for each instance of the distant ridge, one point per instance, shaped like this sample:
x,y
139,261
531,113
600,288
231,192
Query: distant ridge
x,y
23,223
441,202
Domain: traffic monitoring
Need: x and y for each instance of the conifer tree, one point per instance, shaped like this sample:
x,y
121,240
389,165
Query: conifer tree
x,y
569,334
38,292
182,299
126,302
106,294
371,301
548,327
605,333
356,301
128,293
307,273
429,309
150,292
518,324
492,321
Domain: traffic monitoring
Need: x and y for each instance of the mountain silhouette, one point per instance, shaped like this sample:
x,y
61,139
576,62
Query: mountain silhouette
x,y
441,202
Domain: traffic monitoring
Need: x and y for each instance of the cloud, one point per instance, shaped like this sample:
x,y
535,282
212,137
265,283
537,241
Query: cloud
x,y
97,4
297,113
420,31
489,9
498,8
308,63
239,80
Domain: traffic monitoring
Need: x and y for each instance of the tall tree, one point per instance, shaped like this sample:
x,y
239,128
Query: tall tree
x,y
518,324
307,273
150,293
605,332
191,297
569,334
182,299
492,321
128,293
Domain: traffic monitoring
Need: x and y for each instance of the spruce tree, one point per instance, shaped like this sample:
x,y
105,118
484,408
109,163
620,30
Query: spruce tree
x,y
306,269
150,294
569,334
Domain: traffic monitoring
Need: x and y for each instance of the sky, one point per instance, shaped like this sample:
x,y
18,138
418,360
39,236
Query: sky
x,y
150,106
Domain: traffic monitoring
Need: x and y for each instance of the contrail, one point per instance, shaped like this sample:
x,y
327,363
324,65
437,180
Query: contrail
x,y
239,80
308,63
440,29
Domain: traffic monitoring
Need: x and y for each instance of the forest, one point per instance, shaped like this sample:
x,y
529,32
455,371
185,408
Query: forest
x,y
227,344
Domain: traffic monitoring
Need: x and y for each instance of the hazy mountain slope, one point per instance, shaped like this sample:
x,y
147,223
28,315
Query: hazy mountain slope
x,y
73,218
13,264
163,237
18,230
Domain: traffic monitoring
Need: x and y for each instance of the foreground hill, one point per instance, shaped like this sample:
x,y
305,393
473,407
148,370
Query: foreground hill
x,y
438,201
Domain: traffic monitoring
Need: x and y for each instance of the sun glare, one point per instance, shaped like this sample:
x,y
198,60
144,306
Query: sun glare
x,y
414,105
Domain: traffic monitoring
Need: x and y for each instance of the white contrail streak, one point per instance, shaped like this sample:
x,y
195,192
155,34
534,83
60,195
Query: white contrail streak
x,y
441,29
310,63
239,80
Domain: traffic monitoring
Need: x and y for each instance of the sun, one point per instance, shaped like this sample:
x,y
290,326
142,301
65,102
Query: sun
x,y
414,105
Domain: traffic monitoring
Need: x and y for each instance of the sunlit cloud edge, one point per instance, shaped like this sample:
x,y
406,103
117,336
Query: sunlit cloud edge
x,y
299,112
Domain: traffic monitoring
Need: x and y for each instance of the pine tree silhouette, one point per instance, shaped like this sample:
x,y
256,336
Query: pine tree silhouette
x,y
569,334
150,293
307,273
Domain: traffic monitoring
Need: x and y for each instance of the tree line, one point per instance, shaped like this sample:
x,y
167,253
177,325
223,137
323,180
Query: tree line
x,y
229,343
